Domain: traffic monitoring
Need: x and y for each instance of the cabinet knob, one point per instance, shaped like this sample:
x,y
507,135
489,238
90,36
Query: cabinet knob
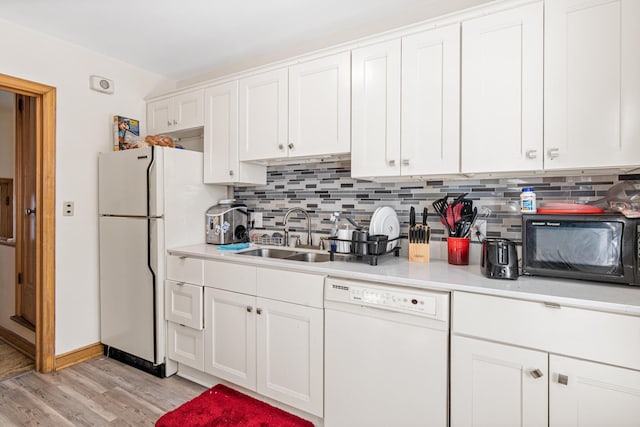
x,y
405,162
536,373
392,162
249,309
230,173
259,310
290,146
553,153
563,379
531,154
280,146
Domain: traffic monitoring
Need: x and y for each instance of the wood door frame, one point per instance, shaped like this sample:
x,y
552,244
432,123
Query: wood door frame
x,y
45,218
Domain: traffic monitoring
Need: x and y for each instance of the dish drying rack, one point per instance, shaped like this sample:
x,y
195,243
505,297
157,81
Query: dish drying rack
x,y
372,259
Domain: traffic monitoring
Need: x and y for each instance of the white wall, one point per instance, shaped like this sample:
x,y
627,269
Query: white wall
x,y
83,129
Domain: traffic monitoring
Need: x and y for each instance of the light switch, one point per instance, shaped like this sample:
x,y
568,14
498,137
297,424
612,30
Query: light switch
x,y
67,209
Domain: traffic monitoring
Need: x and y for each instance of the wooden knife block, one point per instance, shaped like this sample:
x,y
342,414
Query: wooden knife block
x,y
418,252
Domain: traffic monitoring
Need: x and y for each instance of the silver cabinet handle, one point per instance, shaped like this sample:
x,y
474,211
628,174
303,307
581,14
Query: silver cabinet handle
x,y
249,309
531,154
563,379
405,162
290,146
174,122
392,162
30,211
553,153
536,373
168,123
182,257
259,310
280,147
552,305
230,173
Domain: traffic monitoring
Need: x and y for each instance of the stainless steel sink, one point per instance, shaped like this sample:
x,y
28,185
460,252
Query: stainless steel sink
x,y
308,257
292,255
270,253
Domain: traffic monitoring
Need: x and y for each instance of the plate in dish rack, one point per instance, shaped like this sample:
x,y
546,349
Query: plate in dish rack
x,y
385,221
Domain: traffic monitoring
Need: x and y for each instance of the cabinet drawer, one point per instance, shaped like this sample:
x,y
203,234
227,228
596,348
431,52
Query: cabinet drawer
x,y
593,335
230,277
186,345
184,269
183,304
289,286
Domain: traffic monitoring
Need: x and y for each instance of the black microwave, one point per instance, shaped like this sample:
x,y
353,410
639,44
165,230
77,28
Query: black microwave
x,y
602,248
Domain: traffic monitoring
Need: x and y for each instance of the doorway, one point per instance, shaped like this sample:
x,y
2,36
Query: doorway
x,y
43,218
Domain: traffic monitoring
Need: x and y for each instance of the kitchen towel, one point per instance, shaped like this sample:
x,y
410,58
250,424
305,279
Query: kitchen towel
x,y
233,247
223,406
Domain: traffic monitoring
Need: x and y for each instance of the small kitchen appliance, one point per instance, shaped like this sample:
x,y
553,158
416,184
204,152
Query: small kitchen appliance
x,y
601,248
499,259
227,222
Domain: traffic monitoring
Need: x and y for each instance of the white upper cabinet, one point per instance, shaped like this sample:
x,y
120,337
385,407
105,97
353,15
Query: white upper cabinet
x,y
406,106
502,91
263,116
320,107
221,161
375,132
430,131
592,83
184,111
301,111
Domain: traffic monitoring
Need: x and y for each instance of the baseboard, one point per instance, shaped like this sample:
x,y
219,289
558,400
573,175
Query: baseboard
x,y
19,343
80,355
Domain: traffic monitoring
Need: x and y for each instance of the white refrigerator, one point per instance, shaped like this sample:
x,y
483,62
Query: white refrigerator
x,y
150,199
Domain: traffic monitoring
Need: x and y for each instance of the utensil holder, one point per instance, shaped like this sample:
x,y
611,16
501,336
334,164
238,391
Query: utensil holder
x,y
418,252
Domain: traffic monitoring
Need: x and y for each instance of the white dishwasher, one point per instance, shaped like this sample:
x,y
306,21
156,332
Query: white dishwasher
x,y
386,355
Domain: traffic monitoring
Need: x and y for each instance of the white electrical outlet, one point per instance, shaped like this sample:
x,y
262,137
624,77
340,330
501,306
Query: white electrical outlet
x,y
256,217
67,209
481,226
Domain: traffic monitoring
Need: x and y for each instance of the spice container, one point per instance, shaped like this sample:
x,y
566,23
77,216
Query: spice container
x,y
528,201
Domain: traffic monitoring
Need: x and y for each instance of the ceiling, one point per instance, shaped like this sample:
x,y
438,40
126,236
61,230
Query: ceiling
x,y
190,38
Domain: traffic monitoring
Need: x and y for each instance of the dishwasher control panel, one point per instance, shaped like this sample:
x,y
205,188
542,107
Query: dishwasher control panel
x,y
405,302
431,304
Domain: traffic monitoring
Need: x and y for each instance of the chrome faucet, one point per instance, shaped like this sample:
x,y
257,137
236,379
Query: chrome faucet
x,y
286,229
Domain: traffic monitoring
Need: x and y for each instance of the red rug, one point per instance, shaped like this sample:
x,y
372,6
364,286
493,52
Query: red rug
x,y
222,406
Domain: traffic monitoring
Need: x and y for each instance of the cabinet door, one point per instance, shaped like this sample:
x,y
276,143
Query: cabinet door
x,y
495,385
431,102
592,394
502,57
290,354
263,116
188,110
230,337
592,83
183,304
375,128
158,116
320,106
185,345
221,162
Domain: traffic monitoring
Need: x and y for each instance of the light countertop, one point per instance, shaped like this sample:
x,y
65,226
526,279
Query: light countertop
x,y
439,275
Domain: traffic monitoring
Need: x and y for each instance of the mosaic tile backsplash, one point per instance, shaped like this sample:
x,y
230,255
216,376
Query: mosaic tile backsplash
x,y
324,188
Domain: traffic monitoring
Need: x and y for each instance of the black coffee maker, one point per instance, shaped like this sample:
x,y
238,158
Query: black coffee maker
x,y
499,259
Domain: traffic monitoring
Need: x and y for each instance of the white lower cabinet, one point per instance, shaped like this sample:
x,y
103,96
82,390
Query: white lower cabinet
x,y
496,385
523,381
592,394
230,336
290,354
186,345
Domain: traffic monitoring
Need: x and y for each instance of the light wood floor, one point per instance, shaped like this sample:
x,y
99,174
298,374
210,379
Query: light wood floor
x,y
99,392
12,362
